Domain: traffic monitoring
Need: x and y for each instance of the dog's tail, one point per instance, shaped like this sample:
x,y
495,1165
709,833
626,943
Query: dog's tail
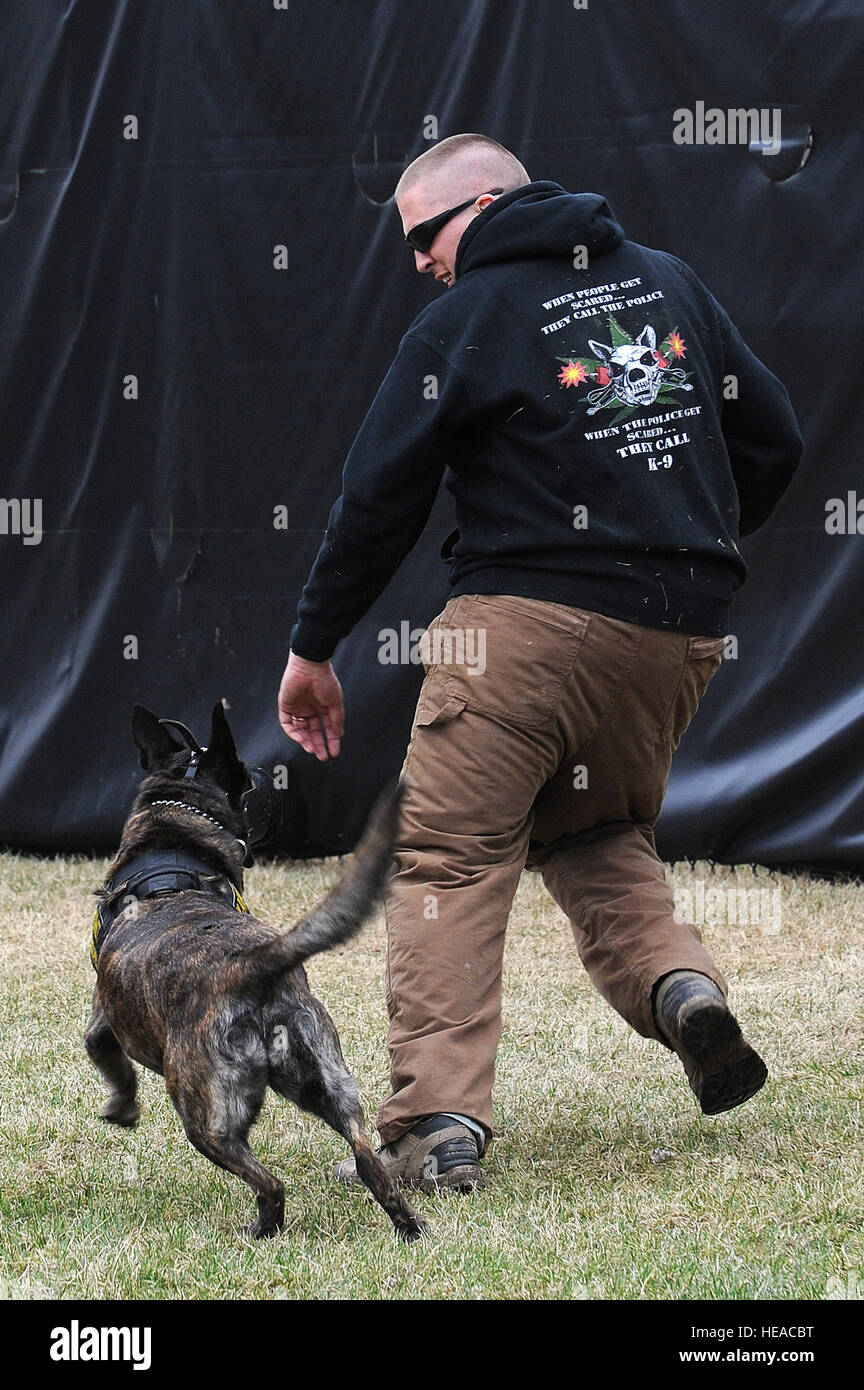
x,y
342,914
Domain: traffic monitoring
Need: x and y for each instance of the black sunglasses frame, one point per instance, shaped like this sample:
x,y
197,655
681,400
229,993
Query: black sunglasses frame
x,y
421,237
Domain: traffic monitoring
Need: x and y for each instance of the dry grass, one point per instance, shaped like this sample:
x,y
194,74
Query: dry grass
x,y
765,1202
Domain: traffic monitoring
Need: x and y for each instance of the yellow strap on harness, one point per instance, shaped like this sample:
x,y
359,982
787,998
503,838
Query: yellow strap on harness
x,y
94,938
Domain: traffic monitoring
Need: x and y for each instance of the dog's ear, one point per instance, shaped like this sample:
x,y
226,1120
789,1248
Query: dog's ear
x,y
600,350
156,746
221,760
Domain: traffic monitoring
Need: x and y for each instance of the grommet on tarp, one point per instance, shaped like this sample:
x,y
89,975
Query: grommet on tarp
x,y
780,159
377,164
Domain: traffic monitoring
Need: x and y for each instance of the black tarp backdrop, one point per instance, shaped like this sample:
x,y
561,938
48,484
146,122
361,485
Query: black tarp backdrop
x,y
154,257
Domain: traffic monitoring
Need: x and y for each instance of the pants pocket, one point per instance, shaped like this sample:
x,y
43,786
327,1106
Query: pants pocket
x,y
502,657
701,663
435,706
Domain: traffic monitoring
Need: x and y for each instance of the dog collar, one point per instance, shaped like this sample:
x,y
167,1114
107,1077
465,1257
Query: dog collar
x,y
153,874
212,819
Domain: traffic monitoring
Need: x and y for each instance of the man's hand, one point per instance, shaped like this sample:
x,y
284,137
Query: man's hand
x,y
310,706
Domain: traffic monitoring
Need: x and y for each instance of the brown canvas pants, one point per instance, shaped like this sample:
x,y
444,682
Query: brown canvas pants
x,y
555,756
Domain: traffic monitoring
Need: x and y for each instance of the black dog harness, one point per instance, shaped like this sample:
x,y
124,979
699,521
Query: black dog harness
x,y
156,874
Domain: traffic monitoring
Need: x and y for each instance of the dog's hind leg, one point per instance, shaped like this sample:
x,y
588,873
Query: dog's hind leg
x,y
310,1070
409,1225
109,1059
217,1114
231,1152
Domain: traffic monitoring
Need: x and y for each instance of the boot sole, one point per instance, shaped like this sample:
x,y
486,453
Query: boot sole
x,y
457,1180
723,1069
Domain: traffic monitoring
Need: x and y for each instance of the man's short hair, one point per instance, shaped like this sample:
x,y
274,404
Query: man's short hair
x,y
472,159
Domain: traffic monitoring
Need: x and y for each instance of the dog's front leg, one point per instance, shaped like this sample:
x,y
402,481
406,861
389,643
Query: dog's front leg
x,y
109,1059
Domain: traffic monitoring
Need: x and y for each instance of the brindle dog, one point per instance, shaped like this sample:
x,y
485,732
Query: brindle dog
x,y
212,998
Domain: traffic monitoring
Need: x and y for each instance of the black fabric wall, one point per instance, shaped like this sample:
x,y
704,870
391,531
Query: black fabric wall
x,y
260,127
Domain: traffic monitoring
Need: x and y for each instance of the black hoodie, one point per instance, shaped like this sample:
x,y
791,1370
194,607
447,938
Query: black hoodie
x,y
607,434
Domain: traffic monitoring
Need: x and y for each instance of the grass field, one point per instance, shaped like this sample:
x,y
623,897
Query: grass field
x,y
605,1180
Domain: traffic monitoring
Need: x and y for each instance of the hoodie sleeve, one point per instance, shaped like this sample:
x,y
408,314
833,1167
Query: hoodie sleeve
x,y
389,483
760,430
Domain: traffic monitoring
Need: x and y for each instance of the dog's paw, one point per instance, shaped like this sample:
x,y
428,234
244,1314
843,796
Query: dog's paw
x,y
258,1231
416,1229
120,1112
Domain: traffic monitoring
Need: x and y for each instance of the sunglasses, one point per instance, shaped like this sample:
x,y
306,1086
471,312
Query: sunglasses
x,y
421,237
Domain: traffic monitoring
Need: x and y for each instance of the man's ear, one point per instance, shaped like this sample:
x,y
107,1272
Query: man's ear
x,y
156,746
220,758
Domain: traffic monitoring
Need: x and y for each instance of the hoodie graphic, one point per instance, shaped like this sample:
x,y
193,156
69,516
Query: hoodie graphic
x,y
604,430
627,373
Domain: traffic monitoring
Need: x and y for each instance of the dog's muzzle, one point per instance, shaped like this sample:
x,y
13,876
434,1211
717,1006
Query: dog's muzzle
x,y
263,807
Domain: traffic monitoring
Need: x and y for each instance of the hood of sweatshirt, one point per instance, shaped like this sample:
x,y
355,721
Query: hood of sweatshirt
x,y
538,219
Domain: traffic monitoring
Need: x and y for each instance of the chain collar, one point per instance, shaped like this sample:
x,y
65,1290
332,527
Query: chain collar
x,y
197,812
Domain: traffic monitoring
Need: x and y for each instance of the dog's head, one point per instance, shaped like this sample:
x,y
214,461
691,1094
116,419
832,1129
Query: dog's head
x,y
212,779
210,776
163,755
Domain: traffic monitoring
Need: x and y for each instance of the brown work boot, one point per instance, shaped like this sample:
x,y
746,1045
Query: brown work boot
x,y
437,1153
723,1069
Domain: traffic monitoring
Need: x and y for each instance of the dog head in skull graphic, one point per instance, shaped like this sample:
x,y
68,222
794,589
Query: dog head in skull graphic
x,y
636,374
